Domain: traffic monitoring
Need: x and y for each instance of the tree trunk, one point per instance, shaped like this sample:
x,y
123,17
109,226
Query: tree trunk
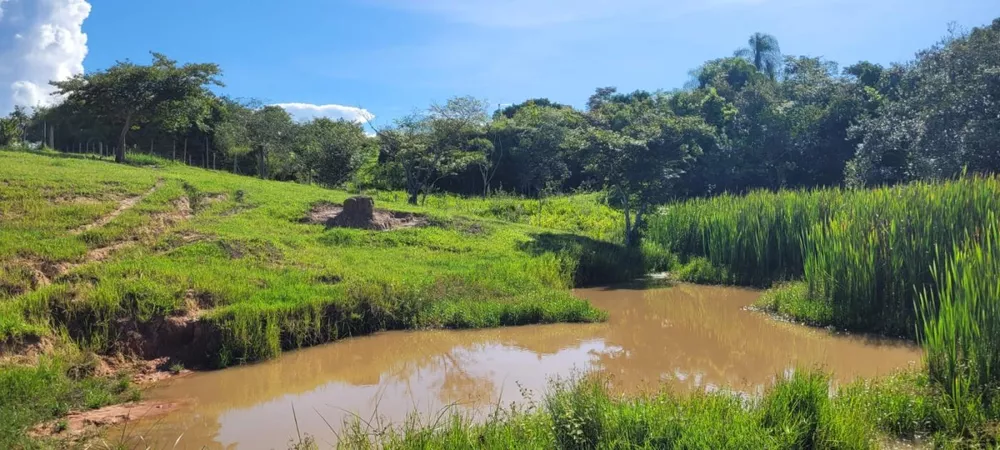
x,y
235,159
120,151
262,168
151,146
206,152
173,150
628,223
186,159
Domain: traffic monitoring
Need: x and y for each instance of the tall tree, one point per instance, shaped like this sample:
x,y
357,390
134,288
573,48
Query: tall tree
x,y
128,94
764,52
936,117
270,128
442,142
641,147
332,151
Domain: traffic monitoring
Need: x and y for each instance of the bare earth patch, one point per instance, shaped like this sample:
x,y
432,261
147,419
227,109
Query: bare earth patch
x,y
125,205
43,272
360,212
81,424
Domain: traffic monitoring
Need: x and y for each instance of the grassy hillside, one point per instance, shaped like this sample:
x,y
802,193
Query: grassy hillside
x,y
214,269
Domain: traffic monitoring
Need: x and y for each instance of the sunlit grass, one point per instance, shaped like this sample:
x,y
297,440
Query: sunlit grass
x,y
235,252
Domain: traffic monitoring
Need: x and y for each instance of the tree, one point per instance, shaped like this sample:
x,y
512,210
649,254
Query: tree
x,y
232,134
333,150
641,147
427,147
269,128
936,117
541,141
8,131
128,94
764,52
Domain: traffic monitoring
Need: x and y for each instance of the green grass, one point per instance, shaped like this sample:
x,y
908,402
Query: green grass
x,y
50,389
920,260
961,330
793,301
235,252
702,271
864,254
797,412
583,214
267,281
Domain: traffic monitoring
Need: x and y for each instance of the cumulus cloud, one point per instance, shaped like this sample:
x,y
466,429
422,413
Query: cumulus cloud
x,y
40,41
308,111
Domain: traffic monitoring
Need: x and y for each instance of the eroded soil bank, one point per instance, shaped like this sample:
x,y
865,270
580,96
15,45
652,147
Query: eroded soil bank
x,y
684,337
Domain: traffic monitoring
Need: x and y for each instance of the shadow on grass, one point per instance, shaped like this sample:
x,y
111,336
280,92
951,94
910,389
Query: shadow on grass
x,y
592,262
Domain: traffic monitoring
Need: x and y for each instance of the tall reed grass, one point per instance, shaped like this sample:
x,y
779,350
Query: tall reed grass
x,y
961,328
865,254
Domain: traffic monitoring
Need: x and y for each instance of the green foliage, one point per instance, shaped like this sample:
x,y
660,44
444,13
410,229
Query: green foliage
x,y
797,412
640,147
871,257
793,300
763,52
50,389
265,281
757,237
541,142
935,117
442,142
127,94
701,270
961,328
865,254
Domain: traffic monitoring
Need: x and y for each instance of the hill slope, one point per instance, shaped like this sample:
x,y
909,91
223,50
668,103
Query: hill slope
x,y
213,269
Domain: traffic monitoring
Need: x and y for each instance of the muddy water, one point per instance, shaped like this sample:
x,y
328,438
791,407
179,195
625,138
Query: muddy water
x,y
684,337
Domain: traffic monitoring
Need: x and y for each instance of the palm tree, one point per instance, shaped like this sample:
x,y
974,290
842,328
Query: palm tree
x,y
764,52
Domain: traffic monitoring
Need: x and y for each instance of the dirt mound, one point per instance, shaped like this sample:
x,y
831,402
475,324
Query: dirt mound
x,y
360,212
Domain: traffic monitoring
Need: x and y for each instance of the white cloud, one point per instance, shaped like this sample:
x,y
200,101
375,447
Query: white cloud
x,y
48,44
308,111
536,13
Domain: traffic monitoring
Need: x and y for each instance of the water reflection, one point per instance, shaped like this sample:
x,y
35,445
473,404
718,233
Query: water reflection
x,y
684,337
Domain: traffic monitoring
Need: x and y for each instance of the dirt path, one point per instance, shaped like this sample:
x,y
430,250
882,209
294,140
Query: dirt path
x,y
125,205
44,272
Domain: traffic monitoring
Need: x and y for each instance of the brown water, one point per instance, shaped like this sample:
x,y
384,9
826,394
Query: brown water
x,y
684,337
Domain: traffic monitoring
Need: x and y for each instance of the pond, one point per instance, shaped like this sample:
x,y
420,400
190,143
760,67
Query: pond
x,y
683,337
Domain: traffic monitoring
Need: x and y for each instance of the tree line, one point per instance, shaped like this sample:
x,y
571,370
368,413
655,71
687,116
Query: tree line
x,y
755,120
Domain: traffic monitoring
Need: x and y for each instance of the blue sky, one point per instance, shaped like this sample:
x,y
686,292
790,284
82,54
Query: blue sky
x,y
391,56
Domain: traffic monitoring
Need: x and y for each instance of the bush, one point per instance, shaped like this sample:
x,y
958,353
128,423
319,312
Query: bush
x,y
701,270
793,300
